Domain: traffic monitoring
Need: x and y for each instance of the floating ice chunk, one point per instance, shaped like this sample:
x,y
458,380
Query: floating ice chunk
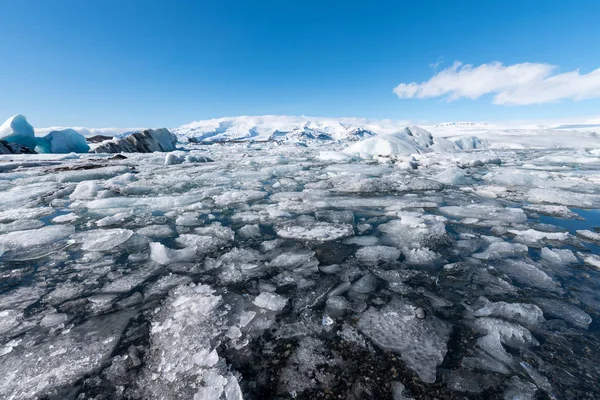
x,y
589,235
366,284
563,197
21,225
216,230
399,392
270,301
420,342
183,339
163,255
415,230
16,129
63,141
453,176
335,217
374,255
334,156
156,231
532,236
302,371
520,390
237,265
203,244
591,259
249,231
53,319
9,319
559,309
116,219
501,250
528,315
174,158
553,211
23,240
481,360
164,284
362,240
294,259
469,381
25,213
486,212
85,190
539,380
529,275
336,306
422,256
239,196
45,365
66,218
131,280
102,239
232,389
317,231
558,256
188,219
512,335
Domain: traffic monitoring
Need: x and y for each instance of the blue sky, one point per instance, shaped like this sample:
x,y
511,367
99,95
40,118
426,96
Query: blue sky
x,y
158,63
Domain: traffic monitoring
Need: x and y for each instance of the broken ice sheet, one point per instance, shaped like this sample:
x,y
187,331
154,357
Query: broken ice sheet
x,y
422,343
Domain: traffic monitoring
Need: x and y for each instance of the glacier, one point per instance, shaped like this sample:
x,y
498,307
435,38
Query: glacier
x,y
373,260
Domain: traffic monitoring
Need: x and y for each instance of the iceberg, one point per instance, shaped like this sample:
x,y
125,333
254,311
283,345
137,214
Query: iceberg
x,y
64,141
16,129
147,141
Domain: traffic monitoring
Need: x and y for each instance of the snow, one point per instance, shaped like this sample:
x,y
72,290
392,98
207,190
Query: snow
x,y
64,141
16,129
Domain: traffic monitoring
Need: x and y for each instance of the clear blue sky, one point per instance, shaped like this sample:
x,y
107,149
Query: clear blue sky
x,y
164,63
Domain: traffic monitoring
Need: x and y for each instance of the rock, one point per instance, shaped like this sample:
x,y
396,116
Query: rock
x,y
14,148
147,141
98,138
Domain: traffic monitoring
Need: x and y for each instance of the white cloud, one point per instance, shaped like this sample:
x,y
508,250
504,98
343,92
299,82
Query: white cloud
x,y
517,84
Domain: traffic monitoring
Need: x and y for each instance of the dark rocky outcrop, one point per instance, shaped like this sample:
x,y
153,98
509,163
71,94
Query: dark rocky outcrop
x,y
14,148
98,139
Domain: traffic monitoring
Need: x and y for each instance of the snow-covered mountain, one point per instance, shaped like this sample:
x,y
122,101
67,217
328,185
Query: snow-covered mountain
x,y
281,127
464,125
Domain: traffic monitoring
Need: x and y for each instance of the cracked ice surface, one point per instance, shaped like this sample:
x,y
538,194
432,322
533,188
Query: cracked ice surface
x,y
281,271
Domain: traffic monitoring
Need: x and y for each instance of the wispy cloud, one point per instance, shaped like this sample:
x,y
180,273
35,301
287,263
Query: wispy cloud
x,y
517,84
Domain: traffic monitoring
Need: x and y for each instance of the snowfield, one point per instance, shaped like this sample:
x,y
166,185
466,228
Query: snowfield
x,y
377,262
